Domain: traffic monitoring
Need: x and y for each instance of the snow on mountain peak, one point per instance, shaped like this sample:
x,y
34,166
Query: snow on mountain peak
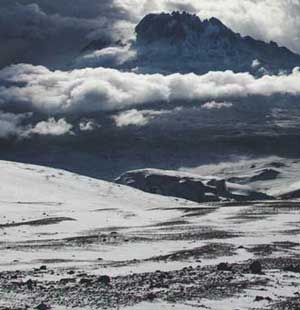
x,y
201,46
182,42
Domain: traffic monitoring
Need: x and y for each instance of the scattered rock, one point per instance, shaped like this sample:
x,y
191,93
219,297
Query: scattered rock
x,y
151,296
30,284
261,298
256,267
189,284
292,268
86,281
65,281
104,279
82,275
14,276
224,267
42,306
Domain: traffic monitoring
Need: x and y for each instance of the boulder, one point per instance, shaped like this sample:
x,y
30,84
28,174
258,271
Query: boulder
x,y
256,267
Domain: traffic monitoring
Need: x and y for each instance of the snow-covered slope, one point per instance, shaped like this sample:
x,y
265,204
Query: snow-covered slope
x,y
60,228
39,202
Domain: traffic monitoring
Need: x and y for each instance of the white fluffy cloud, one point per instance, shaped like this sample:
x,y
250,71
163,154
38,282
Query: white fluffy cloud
x,y
216,105
99,89
11,125
52,127
107,57
136,118
88,125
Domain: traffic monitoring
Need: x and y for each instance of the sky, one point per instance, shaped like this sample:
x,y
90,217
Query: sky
x,y
40,39
48,32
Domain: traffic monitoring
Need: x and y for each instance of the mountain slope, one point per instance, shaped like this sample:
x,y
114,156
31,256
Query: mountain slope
x,y
40,205
181,42
200,46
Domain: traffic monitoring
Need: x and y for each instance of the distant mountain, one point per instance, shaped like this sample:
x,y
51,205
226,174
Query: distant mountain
x,y
181,42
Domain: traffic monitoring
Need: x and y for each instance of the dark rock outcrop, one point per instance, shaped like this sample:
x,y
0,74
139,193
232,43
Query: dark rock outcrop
x,y
104,280
256,267
186,186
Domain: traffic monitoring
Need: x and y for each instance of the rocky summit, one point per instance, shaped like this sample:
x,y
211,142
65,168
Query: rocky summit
x,y
199,46
178,28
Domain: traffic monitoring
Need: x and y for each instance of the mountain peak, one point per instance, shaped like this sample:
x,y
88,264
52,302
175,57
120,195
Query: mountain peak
x,y
176,27
196,45
182,42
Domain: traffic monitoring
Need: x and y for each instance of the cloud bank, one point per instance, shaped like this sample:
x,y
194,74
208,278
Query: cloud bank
x,y
95,90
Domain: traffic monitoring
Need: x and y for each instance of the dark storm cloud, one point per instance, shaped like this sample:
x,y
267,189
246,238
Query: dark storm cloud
x,y
53,32
10,124
50,32
74,8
